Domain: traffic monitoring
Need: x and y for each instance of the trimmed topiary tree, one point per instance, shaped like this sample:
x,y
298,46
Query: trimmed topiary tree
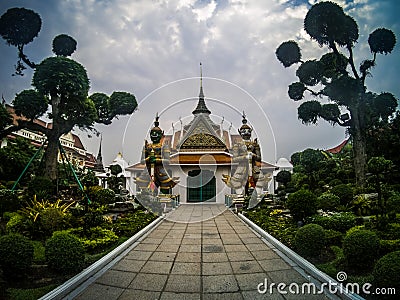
x,y
310,240
344,192
340,221
333,237
64,252
96,239
328,202
105,196
360,248
302,204
387,271
16,254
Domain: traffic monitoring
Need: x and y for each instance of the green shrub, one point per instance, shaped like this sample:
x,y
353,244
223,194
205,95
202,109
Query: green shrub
x,y
331,267
355,228
387,271
392,232
340,221
302,204
8,215
42,187
393,202
333,237
30,294
94,217
89,179
16,254
9,201
132,223
96,239
91,192
360,248
46,216
335,182
310,240
105,196
16,224
281,228
39,255
344,192
387,246
52,219
64,252
328,202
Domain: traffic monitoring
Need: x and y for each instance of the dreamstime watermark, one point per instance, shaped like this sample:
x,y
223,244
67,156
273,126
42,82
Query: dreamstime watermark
x,y
331,287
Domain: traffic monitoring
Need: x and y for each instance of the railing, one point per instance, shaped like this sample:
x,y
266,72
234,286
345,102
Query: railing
x,y
169,200
229,199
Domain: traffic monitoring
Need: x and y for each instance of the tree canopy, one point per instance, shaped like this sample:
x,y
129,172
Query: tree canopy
x,y
334,77
61,88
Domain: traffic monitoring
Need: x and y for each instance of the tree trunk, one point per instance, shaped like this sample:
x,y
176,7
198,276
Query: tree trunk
x,y
359,146
51,154
360,158
51,157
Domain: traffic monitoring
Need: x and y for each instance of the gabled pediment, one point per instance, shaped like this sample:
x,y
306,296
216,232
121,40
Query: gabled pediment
x,y
203,141
201,134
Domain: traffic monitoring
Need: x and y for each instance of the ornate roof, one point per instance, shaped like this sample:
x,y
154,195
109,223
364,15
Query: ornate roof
x,y
201,132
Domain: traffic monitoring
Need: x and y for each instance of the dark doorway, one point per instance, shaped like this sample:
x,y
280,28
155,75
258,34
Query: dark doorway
x,y
201,186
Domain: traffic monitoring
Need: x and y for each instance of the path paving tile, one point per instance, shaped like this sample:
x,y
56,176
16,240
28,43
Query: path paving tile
x,y
98,291
240,256
198,252
129,265
186,268
220,284
183,283
216,268
152,282
130,294
117,278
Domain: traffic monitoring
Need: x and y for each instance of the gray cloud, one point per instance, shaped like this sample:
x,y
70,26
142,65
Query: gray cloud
x,y
138,46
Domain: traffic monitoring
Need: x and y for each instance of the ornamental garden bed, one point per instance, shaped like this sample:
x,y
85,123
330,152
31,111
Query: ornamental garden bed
x,y
366,249
43,243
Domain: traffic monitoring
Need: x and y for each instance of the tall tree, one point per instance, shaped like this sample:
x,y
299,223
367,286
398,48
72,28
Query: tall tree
x,y
334,77
60,84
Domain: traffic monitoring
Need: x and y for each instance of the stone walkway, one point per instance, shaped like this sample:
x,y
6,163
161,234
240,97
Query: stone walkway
x,y
198,252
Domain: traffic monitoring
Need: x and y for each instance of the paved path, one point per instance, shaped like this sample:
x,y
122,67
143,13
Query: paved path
x,y
198,252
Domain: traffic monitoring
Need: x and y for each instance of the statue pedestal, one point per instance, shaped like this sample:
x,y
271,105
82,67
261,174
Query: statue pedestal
x,y
238,203
168,202
235,201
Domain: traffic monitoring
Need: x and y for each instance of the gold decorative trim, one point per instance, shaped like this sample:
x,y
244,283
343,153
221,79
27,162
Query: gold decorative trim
x,y
203,141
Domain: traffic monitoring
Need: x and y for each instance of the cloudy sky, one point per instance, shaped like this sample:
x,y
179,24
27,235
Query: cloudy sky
x,y
153,49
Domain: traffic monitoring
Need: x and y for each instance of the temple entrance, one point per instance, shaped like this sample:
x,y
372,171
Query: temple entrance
x,y
201,186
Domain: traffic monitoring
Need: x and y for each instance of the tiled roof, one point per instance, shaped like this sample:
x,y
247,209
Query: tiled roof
x,y
338,148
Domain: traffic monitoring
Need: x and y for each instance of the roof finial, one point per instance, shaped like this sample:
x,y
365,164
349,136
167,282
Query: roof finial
x,y
244,120
156,123
201,75
201,105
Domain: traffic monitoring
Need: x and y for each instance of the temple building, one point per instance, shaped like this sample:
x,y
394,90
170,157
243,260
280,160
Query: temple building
x,y
199,154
